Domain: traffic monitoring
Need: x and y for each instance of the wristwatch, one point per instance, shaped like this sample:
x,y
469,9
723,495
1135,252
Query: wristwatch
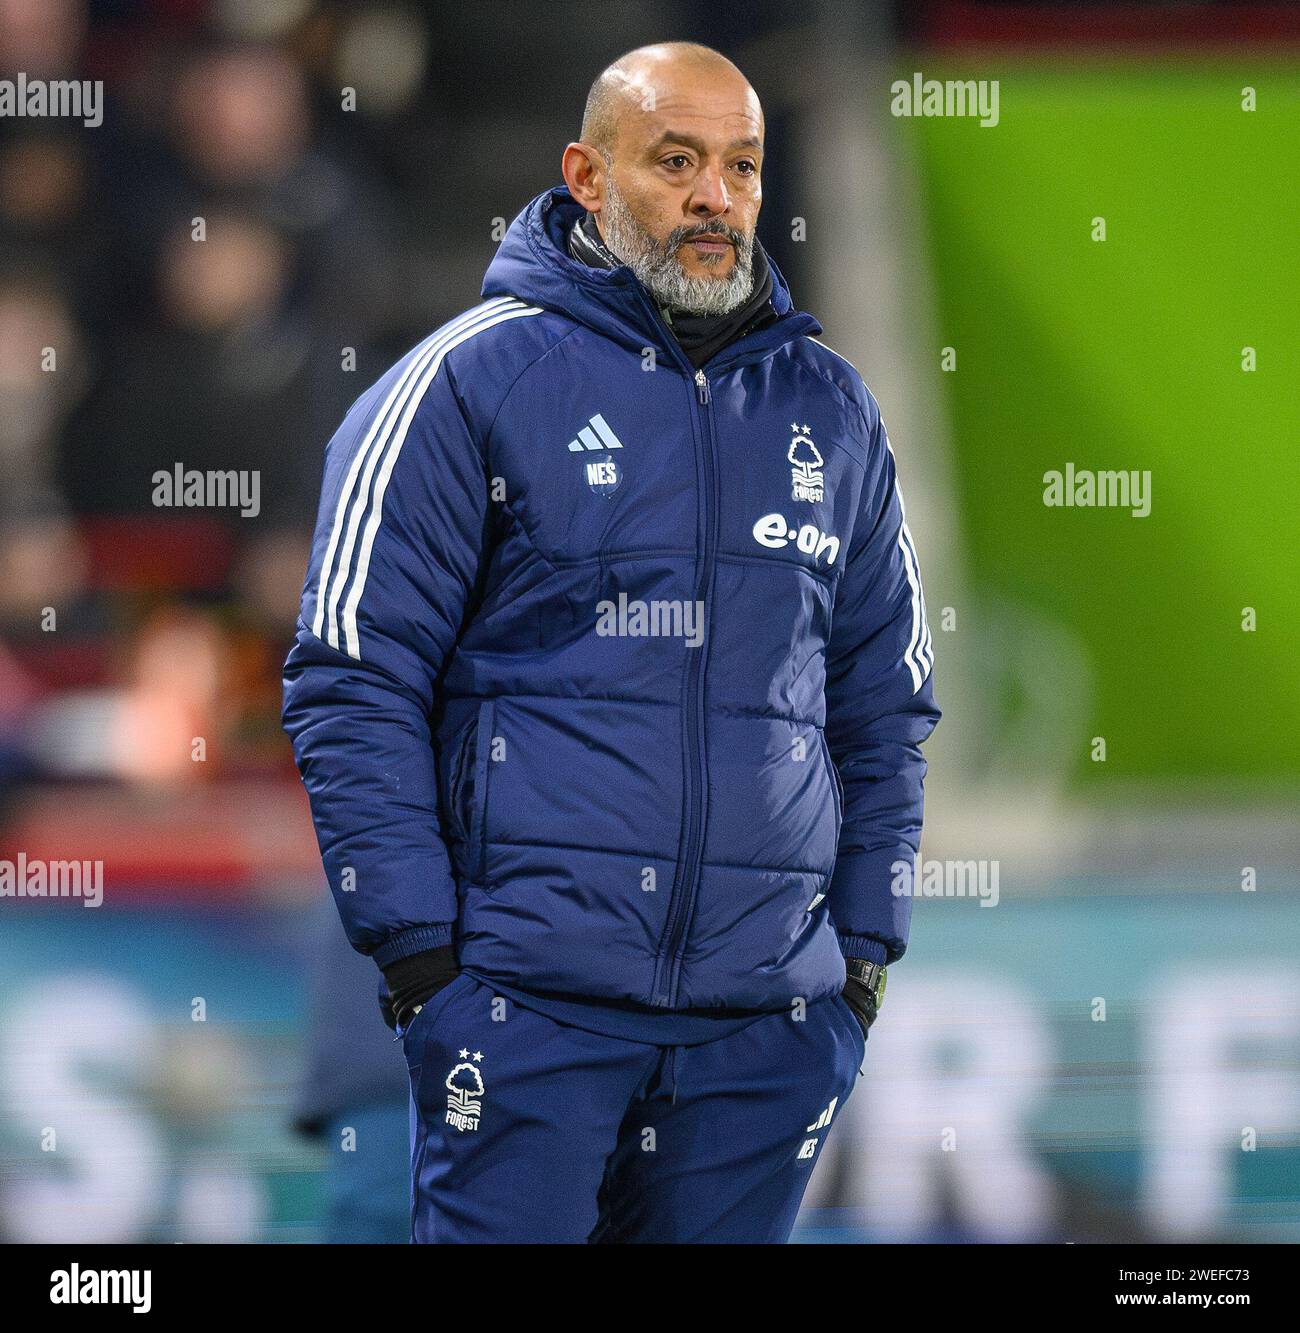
x,y
869,975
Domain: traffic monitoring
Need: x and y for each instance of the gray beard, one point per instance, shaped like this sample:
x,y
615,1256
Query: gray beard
x,y
656,264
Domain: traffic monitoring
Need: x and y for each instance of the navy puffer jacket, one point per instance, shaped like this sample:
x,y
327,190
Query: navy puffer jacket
x,y
612,672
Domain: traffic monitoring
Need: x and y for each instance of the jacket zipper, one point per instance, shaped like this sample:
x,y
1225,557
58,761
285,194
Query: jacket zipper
x,y
683,897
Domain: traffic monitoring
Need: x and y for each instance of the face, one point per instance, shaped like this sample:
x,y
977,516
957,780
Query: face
x,y
682,197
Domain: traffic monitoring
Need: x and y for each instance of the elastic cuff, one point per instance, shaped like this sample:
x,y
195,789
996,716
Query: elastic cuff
x,y
866,947
414,940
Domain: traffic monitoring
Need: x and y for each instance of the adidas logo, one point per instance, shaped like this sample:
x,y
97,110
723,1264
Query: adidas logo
x,y
809,1146
596,434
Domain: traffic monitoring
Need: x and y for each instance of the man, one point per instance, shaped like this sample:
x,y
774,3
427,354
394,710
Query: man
x,y
608,692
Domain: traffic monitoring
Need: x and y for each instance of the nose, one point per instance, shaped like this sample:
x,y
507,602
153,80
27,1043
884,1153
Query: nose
x,y
709,198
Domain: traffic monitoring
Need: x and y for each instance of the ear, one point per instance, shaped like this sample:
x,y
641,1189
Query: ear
x,y
584,173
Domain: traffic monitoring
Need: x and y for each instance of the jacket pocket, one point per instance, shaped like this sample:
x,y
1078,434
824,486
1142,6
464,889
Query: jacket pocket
x,y
477,826
457,821
837,786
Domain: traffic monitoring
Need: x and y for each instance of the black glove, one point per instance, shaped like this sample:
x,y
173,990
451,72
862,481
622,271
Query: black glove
x,y
414,981
864,1000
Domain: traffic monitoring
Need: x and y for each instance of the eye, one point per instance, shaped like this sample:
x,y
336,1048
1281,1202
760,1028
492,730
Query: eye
x,y
677,158
750,168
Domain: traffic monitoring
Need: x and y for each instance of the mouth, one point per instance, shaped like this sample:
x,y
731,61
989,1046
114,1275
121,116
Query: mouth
x,y
709,245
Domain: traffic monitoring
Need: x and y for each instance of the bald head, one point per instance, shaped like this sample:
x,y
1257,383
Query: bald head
x,y
640,81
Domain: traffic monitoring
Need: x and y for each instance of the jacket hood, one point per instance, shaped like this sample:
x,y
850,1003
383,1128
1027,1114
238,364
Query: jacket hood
x,y
533,264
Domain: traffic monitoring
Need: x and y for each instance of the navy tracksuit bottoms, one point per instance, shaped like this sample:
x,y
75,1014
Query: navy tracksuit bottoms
x,y
528,1130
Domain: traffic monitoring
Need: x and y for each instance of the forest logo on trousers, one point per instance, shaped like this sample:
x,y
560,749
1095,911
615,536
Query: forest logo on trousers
x,y
464,1091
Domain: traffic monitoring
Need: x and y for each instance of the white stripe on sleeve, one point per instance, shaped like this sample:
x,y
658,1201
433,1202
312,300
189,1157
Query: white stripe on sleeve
x,y
391,449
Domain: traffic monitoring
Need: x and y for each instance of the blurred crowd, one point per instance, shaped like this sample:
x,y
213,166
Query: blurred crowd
x,y
205,280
